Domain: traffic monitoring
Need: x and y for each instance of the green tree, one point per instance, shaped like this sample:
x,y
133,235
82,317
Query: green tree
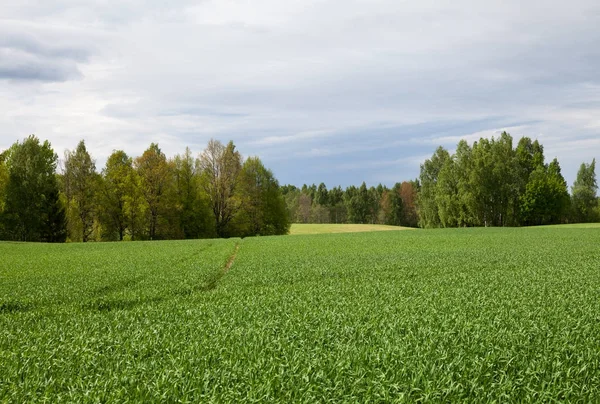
x,y
322,196
359,205
337,208
112,198
453,195
3,179
545,199
583,193
529,157
192,208
155,177
427,201
263,209
505,173
392,206
447,194
373,201
494,192
80,182
32,208
135,205
220,167
291,194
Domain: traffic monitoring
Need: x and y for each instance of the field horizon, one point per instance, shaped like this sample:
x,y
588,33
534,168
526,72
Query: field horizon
x,y
504,314
329,228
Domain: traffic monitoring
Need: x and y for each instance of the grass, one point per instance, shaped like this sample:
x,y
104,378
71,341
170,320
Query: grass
x,y
507,315
301,228
576,226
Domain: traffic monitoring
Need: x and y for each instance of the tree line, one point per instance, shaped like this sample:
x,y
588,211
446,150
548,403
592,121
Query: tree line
x,y
150,197
490,183
374,205
219,194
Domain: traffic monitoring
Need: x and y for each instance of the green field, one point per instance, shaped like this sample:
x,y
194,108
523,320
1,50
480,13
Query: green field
x,y
576,226
301,228
505,315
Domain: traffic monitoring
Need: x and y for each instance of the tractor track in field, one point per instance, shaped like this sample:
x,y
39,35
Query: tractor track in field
x,y
231,258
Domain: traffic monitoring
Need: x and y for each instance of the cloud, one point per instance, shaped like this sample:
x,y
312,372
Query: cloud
x,y
30,68
38,53
515,131
275,140
307,85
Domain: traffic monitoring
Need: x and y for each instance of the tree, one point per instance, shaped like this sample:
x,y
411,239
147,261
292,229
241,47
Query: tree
x,y
492,182
135,206
545,199
529,157
427,204
359,205
304,208
3,179
220,166
504,202
155,177
80,185
392,206
337,208
112,198
560,201
373,201
447,194
291,195
584,193
454,190
322,196
192,208
32,209
263,207
408,194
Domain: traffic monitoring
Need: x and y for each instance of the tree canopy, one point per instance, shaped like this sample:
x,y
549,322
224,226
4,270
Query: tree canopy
x,y
149,197
221,194
32,210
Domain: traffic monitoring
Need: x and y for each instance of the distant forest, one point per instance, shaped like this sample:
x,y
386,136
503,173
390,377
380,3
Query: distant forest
x,y
490,183
219,194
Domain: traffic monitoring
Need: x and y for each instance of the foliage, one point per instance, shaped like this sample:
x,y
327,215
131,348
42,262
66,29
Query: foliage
x,y
262,205
3,180
192,204
113,195
155,179
430,170
545,200
220,166
584,193
80,182
492,184
32,207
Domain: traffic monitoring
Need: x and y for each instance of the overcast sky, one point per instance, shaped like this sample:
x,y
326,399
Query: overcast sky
x,y
340,91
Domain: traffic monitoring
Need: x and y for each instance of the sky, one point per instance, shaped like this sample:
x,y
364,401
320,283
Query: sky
x,y
333,91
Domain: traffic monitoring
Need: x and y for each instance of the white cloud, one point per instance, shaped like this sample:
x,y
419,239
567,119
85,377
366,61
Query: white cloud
x,y
302,79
